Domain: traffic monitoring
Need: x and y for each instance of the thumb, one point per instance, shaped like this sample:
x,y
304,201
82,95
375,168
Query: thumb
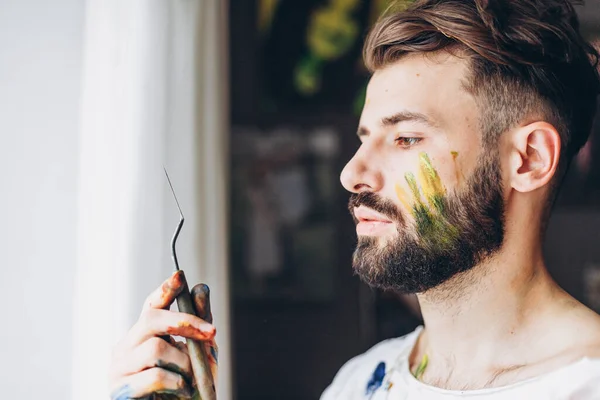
x,y
201,298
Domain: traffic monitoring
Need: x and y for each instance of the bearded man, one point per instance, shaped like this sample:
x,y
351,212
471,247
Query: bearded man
x,y
474,111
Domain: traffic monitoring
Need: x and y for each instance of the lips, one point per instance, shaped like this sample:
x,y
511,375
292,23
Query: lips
x,y
371,223
364,214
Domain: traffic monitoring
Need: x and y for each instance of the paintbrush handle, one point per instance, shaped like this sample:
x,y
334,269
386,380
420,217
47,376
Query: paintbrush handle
x,y
198,358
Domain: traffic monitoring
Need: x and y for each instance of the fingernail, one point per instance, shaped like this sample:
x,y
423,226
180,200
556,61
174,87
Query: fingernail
x,y
201,290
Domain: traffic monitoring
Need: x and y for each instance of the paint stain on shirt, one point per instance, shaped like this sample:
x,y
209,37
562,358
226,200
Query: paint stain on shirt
x,y
376,379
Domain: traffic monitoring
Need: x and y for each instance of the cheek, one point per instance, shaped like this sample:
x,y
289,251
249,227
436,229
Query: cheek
x,y
396,173
426,183
450,169
454,167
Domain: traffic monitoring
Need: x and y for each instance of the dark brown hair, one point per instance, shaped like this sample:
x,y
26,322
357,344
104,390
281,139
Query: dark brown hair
x,y
528,59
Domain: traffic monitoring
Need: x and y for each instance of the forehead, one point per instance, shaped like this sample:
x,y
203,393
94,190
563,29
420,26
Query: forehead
x,y
431,84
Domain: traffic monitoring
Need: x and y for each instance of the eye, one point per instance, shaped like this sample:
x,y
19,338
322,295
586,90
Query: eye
x,y
406,142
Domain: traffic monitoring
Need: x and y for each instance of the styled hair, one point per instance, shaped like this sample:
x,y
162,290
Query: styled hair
x,y
527,59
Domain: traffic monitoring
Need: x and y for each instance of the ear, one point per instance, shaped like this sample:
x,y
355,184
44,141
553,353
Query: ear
x,y
534,156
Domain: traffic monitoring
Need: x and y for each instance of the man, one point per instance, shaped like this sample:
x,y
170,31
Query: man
x,y
473,113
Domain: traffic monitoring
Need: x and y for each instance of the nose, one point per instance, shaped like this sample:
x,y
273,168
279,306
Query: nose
x,y
362,173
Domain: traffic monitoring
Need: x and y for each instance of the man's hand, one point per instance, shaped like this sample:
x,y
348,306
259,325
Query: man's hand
x,y
148,360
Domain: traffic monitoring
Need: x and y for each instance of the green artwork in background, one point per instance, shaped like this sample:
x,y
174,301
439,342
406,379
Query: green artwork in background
x,y
334,30
331,33
266,12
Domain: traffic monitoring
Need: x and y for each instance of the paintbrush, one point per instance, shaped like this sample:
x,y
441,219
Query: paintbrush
x,y
198,358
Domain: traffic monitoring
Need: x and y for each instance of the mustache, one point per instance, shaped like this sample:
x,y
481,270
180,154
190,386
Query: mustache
x,y
376,203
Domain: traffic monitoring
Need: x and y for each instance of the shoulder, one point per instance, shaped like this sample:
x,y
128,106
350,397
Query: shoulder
x,y
355,376
582,334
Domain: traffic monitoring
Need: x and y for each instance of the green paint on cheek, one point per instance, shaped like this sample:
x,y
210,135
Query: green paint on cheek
x,y
412,184
429,205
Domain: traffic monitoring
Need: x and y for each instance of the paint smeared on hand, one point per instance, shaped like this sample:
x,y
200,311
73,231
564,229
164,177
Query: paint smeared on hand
x,y
201,297
161,393
186,329
174,368
212,353
172,286
168,291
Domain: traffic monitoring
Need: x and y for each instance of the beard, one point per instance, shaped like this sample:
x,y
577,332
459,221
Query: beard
x,y
467,229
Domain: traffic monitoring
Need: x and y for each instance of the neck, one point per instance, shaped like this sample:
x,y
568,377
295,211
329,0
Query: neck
x,y
476,316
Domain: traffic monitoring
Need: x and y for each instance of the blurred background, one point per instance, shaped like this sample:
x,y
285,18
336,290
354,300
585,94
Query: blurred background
x,y
252,105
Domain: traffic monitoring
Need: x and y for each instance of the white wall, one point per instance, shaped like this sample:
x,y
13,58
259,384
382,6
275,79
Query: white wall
x,y
40,71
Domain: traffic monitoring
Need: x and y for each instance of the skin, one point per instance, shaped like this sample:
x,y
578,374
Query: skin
x,y
426,203
149,361
531,325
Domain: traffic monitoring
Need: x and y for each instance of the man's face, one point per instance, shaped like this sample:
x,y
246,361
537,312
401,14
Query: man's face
x,y
427,196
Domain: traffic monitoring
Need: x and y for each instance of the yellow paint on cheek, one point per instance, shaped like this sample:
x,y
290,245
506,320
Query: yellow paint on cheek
x,y
430,179
414,188
403,197
425,184
426,190
456,168
427,204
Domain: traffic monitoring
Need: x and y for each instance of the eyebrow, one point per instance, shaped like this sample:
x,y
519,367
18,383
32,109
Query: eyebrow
x,y
402,116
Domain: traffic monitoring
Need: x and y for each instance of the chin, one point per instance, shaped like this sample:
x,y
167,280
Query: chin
x,y
377,242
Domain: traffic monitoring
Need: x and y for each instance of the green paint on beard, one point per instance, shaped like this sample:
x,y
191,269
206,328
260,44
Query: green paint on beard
x,y
428,205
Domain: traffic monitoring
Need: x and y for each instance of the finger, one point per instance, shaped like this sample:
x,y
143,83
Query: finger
x,y
201,297
183,347
156,322
170,339
154,352
153,380
212,353
163,296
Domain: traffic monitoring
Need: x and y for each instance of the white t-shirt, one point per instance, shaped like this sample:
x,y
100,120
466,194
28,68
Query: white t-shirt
x,y
383,373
